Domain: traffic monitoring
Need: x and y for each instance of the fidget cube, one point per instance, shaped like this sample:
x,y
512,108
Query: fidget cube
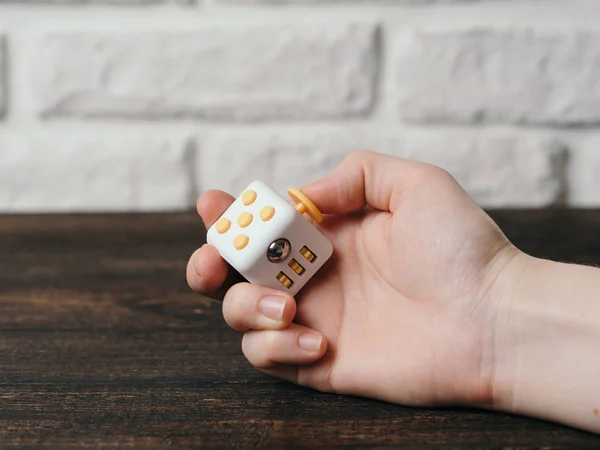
x,y
268,241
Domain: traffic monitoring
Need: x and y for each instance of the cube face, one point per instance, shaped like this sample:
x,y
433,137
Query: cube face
x,y
258,231
255,220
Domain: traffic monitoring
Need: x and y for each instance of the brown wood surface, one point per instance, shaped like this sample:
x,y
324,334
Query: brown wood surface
x,y
102,345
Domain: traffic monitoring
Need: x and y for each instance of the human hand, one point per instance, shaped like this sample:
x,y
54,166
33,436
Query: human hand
x,y
403,312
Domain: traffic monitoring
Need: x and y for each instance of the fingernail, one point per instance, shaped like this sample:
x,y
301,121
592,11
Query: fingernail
x,y
310,342
272,307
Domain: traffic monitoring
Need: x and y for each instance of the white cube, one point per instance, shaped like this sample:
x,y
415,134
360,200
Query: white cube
x,y
264,238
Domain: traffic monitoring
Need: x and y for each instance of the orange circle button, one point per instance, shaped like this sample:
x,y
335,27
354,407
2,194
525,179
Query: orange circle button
x,y
223,225
241,241
248,197
267,213
245,219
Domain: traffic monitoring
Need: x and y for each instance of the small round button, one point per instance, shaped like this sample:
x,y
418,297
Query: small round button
x,y
223,225
245,219
278,250
267,213
248,197
241,241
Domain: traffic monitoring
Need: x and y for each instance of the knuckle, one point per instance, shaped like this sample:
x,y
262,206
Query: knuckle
x,y
229,316
360,156
190,280
237,295
431,173
194,257
191,276
254,350
238,305
443,174
234,316
289,311
270,341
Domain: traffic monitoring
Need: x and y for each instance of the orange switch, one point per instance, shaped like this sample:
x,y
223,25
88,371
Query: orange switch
x,y
296,267
284,279
310,256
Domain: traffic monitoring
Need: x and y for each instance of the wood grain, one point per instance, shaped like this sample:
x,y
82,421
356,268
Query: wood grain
x,y
102,345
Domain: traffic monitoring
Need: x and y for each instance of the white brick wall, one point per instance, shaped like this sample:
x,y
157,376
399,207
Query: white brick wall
x,y
142,104
511,168
517,77
110,172
3,81
231,75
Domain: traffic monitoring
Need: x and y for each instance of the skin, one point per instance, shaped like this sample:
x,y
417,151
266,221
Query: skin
x,y
424,302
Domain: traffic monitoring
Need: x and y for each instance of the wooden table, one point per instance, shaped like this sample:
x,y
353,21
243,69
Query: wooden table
x,y
102,344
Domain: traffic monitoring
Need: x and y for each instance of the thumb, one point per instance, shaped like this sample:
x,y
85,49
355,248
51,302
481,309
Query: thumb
x,y
364,178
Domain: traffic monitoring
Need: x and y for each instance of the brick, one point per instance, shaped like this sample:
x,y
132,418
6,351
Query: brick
x,y
219,74
3,77
496,169
93,173
584,171
73,2
396,2
520,77
240,158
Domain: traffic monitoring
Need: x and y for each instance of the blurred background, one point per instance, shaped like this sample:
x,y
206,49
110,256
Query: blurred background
x,y
140,105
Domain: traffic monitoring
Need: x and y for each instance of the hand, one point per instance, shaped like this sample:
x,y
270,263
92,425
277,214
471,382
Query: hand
x,y
403,311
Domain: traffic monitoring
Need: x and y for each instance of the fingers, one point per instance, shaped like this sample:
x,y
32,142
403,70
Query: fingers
x,y
247,306
363,178
211,205
206,270
295,345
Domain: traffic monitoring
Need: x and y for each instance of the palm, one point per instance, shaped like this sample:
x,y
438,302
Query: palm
x,y
402,295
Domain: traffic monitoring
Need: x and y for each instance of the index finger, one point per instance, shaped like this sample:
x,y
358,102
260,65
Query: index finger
x,y
212,204
363,179
207,272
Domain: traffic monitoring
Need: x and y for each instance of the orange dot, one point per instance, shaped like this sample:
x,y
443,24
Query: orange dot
x,y
248,197
267,213
245,219
223,225
241,241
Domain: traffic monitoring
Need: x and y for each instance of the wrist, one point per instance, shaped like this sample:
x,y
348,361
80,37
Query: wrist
x,y
546,336
507,327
